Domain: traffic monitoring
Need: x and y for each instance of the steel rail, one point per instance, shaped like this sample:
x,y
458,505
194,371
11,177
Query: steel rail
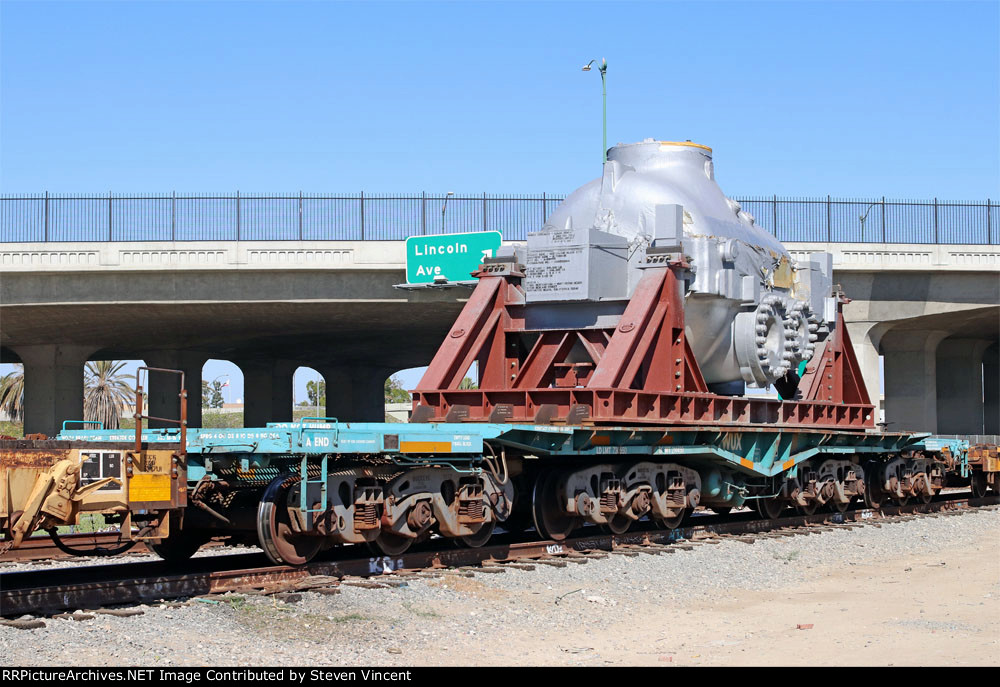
x,y
40,548
40,592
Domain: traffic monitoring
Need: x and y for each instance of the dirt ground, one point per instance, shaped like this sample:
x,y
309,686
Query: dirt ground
x,y
922,610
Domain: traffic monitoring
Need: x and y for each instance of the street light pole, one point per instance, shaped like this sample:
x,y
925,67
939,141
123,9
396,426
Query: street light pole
x,y
863,218
604,97
445,207
225,395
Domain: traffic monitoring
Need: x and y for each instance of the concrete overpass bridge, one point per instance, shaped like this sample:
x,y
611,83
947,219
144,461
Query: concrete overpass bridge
x,y
932,311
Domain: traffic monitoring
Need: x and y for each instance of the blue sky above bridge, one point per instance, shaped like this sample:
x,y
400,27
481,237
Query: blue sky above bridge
x,y
797,98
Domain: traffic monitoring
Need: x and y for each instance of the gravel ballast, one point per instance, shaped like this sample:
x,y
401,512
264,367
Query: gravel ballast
x,y
555,611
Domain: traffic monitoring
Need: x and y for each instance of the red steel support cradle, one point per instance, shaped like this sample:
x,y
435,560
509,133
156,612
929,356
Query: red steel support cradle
x,y
642,371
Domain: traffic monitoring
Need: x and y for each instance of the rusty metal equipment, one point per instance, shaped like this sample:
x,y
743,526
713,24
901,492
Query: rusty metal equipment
x,y
156,480
47,483
641,370
43,487
984,468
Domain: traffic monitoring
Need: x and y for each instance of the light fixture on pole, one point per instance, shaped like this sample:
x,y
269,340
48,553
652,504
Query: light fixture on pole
x,y
445,207
224,398
865,217
604,93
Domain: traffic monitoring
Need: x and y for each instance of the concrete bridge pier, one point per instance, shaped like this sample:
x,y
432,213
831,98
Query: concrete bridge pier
x,y
865,339
53,385
267,391
911,378
991,389
355,393
960,385
164,387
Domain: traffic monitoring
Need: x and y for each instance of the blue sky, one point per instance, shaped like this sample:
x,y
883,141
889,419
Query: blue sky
x,y
797,98
900,99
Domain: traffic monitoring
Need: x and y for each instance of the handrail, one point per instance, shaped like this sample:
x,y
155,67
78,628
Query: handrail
x,y
182,421
111,217
100,425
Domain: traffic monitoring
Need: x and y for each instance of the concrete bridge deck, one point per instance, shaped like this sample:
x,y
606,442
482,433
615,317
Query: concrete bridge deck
x,y
933,312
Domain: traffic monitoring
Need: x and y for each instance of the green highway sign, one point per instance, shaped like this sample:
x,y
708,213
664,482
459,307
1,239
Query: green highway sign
x,y
452,256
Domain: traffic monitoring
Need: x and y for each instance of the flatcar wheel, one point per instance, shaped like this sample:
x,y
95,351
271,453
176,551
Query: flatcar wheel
x,y
901,500
390,544
179,546
978,484
873,495
809,509
769,508
618,524
921,486
550,521
281,544
838,507
474,541
670,523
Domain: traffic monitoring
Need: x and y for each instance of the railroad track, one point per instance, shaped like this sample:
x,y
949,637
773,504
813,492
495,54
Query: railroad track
x,y
47,591
40,548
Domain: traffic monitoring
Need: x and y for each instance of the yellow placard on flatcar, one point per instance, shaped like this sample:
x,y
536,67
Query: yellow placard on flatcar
x,y
425,447
147,487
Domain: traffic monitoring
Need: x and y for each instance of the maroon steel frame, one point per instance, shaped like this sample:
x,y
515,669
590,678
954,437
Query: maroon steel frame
x,y
642,371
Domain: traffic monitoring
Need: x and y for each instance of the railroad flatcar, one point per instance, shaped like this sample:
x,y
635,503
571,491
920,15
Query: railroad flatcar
x,y
612,355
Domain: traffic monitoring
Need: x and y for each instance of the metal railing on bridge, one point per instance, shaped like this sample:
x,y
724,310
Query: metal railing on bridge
x,y
362,216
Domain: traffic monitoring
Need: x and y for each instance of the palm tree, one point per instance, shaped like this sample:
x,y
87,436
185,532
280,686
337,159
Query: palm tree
x,y
106,393
12,394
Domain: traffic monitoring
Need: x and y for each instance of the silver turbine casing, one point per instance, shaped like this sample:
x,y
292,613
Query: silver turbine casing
x,y
751,314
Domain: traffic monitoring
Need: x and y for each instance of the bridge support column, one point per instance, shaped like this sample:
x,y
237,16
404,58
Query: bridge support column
x,y
960,386
355,393
267,391
164,388
911,379
991,389
53,386
865,337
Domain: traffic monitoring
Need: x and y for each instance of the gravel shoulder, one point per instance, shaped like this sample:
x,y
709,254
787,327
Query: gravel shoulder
x,y
917,592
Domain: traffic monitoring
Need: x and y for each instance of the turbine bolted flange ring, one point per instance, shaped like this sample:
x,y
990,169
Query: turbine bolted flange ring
x,y
761,342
